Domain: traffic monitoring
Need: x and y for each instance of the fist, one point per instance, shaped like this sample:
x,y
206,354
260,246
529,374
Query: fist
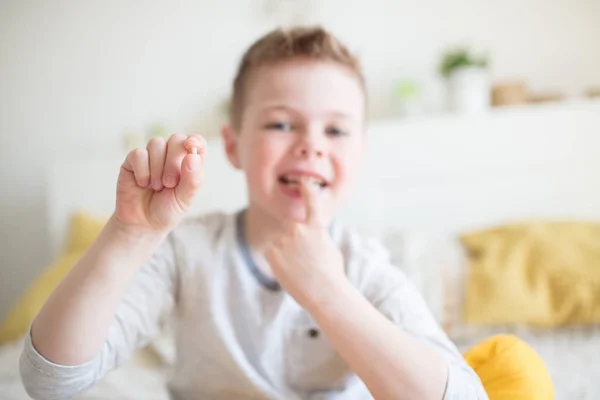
x,y
157,183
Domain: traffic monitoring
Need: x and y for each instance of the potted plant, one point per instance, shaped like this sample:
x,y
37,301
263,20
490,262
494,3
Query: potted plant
x,y
468,80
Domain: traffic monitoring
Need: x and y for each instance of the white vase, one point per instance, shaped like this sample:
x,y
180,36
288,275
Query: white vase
x,y
469,90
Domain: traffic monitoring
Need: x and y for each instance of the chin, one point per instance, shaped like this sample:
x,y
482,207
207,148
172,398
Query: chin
x,y
286,208
291,213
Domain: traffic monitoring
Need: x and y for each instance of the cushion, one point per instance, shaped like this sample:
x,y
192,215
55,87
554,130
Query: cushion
x,y
509,369
537,273
26,308
83,230
435,263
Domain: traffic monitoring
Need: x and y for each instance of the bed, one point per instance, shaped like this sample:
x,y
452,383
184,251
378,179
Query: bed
x,y
424,183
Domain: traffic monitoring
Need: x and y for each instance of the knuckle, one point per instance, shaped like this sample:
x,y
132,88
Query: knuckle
x,y
177,137
138,154
156,142
131,154
172,167
197,139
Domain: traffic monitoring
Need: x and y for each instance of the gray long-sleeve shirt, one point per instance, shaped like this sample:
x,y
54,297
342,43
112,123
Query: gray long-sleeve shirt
x,y
238,335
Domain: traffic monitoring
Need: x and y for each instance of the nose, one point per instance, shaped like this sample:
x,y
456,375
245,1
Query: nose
x,y
305,152
310,145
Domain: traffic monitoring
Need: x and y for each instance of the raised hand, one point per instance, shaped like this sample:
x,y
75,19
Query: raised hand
x,y
157,184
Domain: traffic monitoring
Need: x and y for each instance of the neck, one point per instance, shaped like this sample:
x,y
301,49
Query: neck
x,y
261,229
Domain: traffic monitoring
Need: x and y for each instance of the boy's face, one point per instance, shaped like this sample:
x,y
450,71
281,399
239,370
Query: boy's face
x,y
301,120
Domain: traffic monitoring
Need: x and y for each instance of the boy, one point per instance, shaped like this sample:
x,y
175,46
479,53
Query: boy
x,y
274,302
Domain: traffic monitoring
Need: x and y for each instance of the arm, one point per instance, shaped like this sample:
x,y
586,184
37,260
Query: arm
x,y
73,324
385,331
108,304
392,363
105,308
400,355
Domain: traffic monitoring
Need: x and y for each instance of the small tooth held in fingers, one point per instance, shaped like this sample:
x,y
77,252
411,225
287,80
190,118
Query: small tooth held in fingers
x,y
194,150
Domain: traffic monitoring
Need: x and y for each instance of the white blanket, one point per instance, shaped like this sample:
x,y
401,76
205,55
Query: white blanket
x,y
571,357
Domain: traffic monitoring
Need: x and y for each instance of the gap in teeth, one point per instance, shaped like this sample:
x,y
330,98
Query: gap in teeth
x,y
296,181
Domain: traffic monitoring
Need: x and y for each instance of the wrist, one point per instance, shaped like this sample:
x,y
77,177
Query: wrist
x,y
122,244
329,295
118,249
133,234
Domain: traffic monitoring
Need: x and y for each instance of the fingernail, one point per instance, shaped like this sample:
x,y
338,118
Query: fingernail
x,y
157,185
170,180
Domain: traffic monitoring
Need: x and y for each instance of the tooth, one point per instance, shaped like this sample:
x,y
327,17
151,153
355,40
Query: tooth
x,y
316,182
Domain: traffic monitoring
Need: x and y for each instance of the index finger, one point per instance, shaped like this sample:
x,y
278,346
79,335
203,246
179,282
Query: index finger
x,y
310,194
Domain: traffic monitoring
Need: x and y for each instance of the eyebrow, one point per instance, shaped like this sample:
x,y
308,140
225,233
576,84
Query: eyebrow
x,y
281,107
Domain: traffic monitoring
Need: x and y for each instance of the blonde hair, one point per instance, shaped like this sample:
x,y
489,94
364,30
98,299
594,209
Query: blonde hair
x,y
283,45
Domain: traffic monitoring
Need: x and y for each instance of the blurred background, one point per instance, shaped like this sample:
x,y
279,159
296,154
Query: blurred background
x,y
91,79
76,77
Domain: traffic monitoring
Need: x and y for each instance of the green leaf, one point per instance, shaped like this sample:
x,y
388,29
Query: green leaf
x,y
460,58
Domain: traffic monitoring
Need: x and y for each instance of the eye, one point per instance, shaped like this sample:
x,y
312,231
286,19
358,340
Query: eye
x,y
333,131
279,126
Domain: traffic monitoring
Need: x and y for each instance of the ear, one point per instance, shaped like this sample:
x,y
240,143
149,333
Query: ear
x,y
230,141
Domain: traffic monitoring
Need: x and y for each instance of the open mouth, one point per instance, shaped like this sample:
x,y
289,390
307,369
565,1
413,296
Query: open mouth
x,y
294,181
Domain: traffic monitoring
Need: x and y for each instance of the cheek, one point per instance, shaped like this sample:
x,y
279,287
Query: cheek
x,y
347,165
262,156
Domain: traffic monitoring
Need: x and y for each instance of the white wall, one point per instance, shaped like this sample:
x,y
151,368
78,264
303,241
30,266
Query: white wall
x,y
75,74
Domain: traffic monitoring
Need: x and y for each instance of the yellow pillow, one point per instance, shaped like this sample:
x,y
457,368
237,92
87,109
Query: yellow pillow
x,y
539,273
20,316
509,369
83,230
